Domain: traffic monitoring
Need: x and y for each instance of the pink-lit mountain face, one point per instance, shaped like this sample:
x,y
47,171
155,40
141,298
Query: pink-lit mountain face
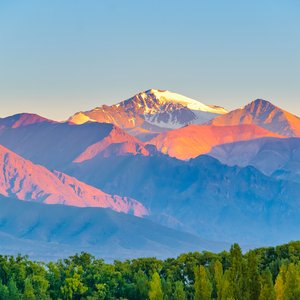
x,y
194,140
264,114
24,180
151,112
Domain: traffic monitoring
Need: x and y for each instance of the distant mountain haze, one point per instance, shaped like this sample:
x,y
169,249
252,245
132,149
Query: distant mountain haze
x,y
274,157
56,231
201,196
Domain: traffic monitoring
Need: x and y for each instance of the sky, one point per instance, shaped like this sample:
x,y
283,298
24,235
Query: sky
x,y
58,57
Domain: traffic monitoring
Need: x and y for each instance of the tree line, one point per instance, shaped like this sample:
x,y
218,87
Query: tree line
x,y
271,273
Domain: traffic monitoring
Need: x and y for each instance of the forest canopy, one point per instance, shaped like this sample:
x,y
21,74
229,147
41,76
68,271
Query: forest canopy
x,y
264,273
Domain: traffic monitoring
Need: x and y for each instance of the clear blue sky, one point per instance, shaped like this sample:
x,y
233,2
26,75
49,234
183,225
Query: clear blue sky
x,y
58,56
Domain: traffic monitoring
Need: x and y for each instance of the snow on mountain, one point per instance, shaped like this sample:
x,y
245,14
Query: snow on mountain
x,y
264,114
24,180
160,108
167,96
194,140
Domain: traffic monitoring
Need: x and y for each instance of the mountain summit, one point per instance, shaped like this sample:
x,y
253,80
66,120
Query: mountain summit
x,y
152,110
262,113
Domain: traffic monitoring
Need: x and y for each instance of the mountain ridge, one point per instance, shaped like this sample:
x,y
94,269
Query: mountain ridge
x,y
264,114
24,180
22,119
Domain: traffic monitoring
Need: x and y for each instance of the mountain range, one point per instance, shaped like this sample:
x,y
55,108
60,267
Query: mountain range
x,y
151,112
159,164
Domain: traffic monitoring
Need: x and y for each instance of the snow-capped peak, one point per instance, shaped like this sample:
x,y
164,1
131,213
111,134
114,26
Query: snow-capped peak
x,y
160,108
167,96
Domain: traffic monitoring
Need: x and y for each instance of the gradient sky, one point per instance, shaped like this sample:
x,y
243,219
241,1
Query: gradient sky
x,y
58,57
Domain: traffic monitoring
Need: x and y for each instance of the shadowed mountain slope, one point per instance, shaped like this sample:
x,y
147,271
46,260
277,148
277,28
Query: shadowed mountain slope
x,y
202,196
56,231
55,145
277,157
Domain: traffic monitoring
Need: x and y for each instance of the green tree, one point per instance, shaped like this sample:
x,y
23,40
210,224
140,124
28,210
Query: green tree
x,y
179,293
253,276
40,286
292,283
280,284
155,292
203,286
218,278
3,291
167,288
238,274
54,277
101,291
267,291
28,290
226,289
13,291
73,287
141,285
